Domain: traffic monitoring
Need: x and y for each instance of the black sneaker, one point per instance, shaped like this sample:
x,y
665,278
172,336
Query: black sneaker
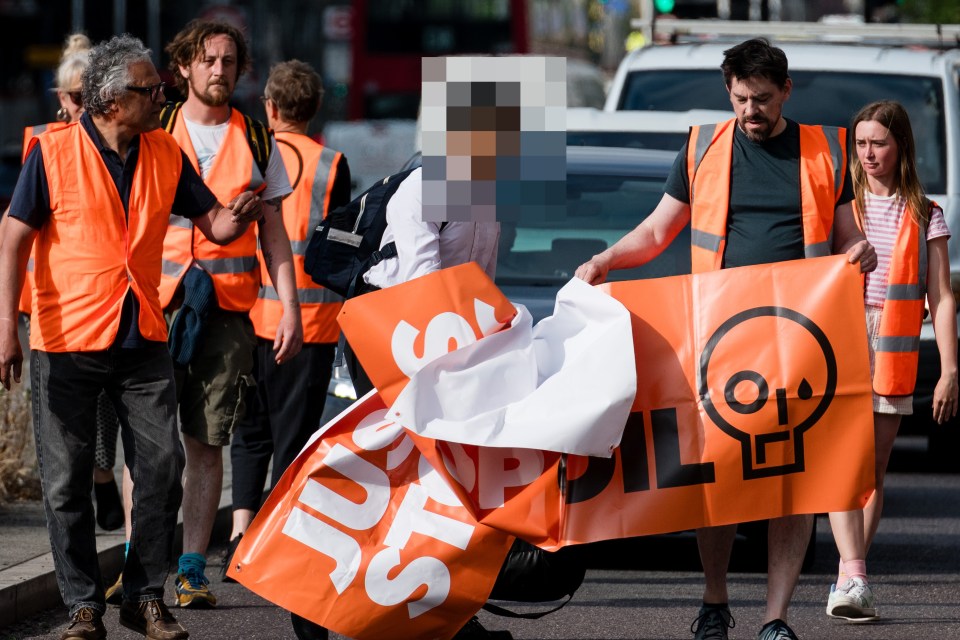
x,y
228,558
473,630
712,622
776,630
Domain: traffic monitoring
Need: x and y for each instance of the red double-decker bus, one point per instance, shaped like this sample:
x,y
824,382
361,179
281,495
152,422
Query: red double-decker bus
x,y
391,36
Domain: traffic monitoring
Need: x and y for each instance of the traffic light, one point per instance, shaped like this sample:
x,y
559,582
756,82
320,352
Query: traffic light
x,y
664,6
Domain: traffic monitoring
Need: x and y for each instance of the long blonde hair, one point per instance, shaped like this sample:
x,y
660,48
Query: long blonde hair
x,y
75,57
894,117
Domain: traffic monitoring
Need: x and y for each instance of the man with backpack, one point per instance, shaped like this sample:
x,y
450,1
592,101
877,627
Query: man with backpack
x,y
421,247
212,288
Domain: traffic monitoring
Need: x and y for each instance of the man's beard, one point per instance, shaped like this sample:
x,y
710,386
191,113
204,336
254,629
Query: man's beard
x,y
756,135
210,99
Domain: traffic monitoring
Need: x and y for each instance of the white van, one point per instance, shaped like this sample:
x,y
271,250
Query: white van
x,y
832,80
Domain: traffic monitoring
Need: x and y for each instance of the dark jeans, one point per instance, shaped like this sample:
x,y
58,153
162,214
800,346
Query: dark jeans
x,y
139,383
283,411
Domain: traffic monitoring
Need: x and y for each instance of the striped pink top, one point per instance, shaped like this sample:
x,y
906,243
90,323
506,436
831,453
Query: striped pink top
x,y
882,217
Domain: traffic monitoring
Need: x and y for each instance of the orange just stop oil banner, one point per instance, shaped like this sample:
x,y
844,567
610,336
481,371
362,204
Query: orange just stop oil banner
x,y
753,401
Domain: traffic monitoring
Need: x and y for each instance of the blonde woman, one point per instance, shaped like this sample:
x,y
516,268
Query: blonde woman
x,y
910,237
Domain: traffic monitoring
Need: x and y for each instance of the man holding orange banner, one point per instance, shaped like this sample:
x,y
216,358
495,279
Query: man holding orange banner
x,y
739,183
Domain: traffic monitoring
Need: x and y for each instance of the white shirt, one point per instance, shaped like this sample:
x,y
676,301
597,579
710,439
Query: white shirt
x,y
421,248
207,141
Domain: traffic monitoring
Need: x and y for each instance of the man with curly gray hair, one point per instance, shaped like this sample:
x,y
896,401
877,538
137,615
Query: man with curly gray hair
x,y
95,199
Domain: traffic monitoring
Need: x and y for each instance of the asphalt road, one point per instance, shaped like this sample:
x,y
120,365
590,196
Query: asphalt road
x,y
650,588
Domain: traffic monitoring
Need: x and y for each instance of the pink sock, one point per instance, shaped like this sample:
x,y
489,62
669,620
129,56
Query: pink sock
x,y
854,569
841,574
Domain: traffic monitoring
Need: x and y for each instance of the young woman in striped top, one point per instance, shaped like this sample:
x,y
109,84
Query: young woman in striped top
x,y
894,214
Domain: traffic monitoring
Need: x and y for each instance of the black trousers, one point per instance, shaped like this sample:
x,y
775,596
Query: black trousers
x,y
283,411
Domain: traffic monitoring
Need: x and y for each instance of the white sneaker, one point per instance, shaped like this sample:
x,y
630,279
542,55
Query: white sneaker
x,y
853,601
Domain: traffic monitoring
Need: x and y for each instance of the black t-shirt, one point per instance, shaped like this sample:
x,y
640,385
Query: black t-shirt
x,y
764,223
31,205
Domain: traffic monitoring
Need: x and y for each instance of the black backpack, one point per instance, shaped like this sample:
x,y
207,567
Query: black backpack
x,y
347,242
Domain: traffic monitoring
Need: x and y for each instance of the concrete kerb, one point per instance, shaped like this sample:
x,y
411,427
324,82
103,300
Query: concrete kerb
x,y
30,586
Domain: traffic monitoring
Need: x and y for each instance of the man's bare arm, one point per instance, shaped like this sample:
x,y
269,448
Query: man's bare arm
x,y
275,247
643,244
15,247
224,224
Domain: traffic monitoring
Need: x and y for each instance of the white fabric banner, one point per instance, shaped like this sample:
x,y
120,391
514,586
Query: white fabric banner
x,y
566,384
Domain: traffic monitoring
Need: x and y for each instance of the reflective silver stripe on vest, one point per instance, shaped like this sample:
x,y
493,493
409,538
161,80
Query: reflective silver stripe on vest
x,y
180,221
172,269
704,138
922,239
322,178
705,240
903,292
314,296
817,249
832,135
299,247
40,128
898,344
221,266
29,265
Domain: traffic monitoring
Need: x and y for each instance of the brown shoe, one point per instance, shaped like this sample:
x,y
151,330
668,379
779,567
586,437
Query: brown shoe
x,y
152,619
86,624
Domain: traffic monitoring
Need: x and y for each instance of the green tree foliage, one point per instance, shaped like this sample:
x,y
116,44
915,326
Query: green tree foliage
x,y
930,11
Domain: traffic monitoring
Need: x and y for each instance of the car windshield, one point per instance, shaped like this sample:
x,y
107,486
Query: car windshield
x,y
820,97
600,210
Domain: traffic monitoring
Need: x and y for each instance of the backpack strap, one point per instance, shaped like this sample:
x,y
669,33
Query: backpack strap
x,y
258,137
533,615
168,115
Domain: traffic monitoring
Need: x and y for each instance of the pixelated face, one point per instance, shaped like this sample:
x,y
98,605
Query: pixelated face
x,y
758,104
746,391
212,77
494,139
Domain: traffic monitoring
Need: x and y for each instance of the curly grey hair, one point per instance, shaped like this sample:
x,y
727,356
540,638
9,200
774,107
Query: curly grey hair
x,y
108,73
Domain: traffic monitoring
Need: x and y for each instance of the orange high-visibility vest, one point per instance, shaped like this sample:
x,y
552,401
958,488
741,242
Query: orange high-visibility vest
x,y
90,253
312,169
898,345
29,140
233,268
823,160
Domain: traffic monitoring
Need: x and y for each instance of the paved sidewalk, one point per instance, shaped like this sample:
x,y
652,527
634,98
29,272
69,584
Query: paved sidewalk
x,y
27,580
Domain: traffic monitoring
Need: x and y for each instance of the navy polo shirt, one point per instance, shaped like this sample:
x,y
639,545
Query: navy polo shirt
x,y
31,204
